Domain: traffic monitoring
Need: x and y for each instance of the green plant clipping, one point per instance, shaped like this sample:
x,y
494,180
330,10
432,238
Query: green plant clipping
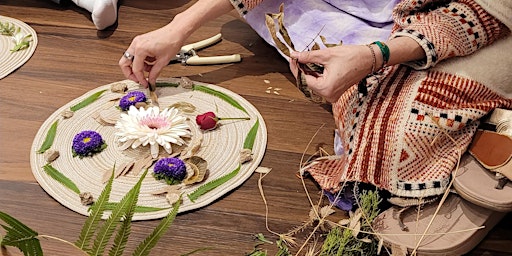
x,y
124,209
87,101
145,246
166,84
50,136
138,209
61,178
251,136
96,211
20,236
221,95
205,188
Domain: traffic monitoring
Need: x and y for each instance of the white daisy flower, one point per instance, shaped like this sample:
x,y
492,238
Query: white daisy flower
x,y
150,126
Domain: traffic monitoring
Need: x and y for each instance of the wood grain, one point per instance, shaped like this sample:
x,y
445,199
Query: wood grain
x,y
72,57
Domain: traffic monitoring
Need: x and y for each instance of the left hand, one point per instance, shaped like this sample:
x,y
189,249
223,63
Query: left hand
x,y
343,65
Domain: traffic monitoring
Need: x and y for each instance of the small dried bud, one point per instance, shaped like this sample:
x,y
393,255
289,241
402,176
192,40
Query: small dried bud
x,y
50,155
245,155
86,198
118,87
186,83
67,114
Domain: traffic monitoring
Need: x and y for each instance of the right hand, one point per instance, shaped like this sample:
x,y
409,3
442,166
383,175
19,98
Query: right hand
x,y
152,51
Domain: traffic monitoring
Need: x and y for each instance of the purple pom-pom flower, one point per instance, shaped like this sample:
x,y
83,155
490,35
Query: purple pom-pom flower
x,y
171,169
87,143
131,98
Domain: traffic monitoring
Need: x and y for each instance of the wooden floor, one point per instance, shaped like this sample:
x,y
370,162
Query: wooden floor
x,y
72,58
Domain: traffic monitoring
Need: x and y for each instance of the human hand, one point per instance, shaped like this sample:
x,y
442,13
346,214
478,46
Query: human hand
x,y
343,66
150,52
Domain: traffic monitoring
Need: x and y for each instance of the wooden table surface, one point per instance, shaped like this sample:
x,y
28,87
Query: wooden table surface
x,y
72,58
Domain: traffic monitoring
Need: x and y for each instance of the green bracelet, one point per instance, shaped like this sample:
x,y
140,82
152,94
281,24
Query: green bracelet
x,y
385,52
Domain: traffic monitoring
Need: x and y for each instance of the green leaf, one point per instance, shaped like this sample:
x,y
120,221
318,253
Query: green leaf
x,y
166,84
145,247
50,136
20,236
138,209
221,95
205,188
125,209
251,136
196,251
96,211
61,178
87,101
121,210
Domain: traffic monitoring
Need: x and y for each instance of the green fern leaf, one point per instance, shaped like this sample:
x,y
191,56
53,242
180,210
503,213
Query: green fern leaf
x,y
205,188
50,136
221,95
251,136
124,232
120,211
87,101
61,178
145,246
20,236
96,211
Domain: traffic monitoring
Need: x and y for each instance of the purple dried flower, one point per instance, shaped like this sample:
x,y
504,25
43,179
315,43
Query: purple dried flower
x,y
87,143
344,199
170,169
131,98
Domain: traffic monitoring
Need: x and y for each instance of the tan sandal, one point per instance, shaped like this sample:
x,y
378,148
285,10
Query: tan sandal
x,y
486,170
458,227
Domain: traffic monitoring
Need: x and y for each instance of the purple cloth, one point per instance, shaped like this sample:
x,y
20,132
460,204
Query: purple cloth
x,y
352,21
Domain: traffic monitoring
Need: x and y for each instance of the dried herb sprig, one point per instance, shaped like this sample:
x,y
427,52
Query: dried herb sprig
x,y
20,39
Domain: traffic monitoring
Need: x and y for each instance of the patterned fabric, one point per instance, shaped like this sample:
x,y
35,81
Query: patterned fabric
x,y
399,136
466,27
350,21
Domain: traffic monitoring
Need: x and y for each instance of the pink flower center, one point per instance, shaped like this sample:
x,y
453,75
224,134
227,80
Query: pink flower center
x,y
154,123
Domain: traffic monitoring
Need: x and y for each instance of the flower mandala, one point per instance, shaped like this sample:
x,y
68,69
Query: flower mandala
x,y
87,143
150,126
131,98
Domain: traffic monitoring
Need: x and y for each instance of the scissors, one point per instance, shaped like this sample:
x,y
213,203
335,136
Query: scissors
x,y
188,55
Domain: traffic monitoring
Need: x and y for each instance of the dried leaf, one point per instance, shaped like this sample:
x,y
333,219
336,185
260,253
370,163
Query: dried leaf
x,y
263,170
344,222
184,107
379,247
366,240
326,211
356,229
271,26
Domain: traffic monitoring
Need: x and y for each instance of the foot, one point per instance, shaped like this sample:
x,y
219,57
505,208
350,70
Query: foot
x,y
104,13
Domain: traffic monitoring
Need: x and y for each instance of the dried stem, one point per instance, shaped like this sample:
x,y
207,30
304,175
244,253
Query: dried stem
x,y
63,241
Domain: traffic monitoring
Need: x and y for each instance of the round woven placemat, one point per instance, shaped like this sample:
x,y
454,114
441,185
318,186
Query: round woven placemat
x,y
10,61
220,148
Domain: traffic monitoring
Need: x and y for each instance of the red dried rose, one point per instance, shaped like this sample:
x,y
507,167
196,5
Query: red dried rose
x,y
209,121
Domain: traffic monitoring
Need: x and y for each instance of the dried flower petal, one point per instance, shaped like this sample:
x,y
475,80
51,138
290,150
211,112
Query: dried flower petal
x,y
67,114
245,155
